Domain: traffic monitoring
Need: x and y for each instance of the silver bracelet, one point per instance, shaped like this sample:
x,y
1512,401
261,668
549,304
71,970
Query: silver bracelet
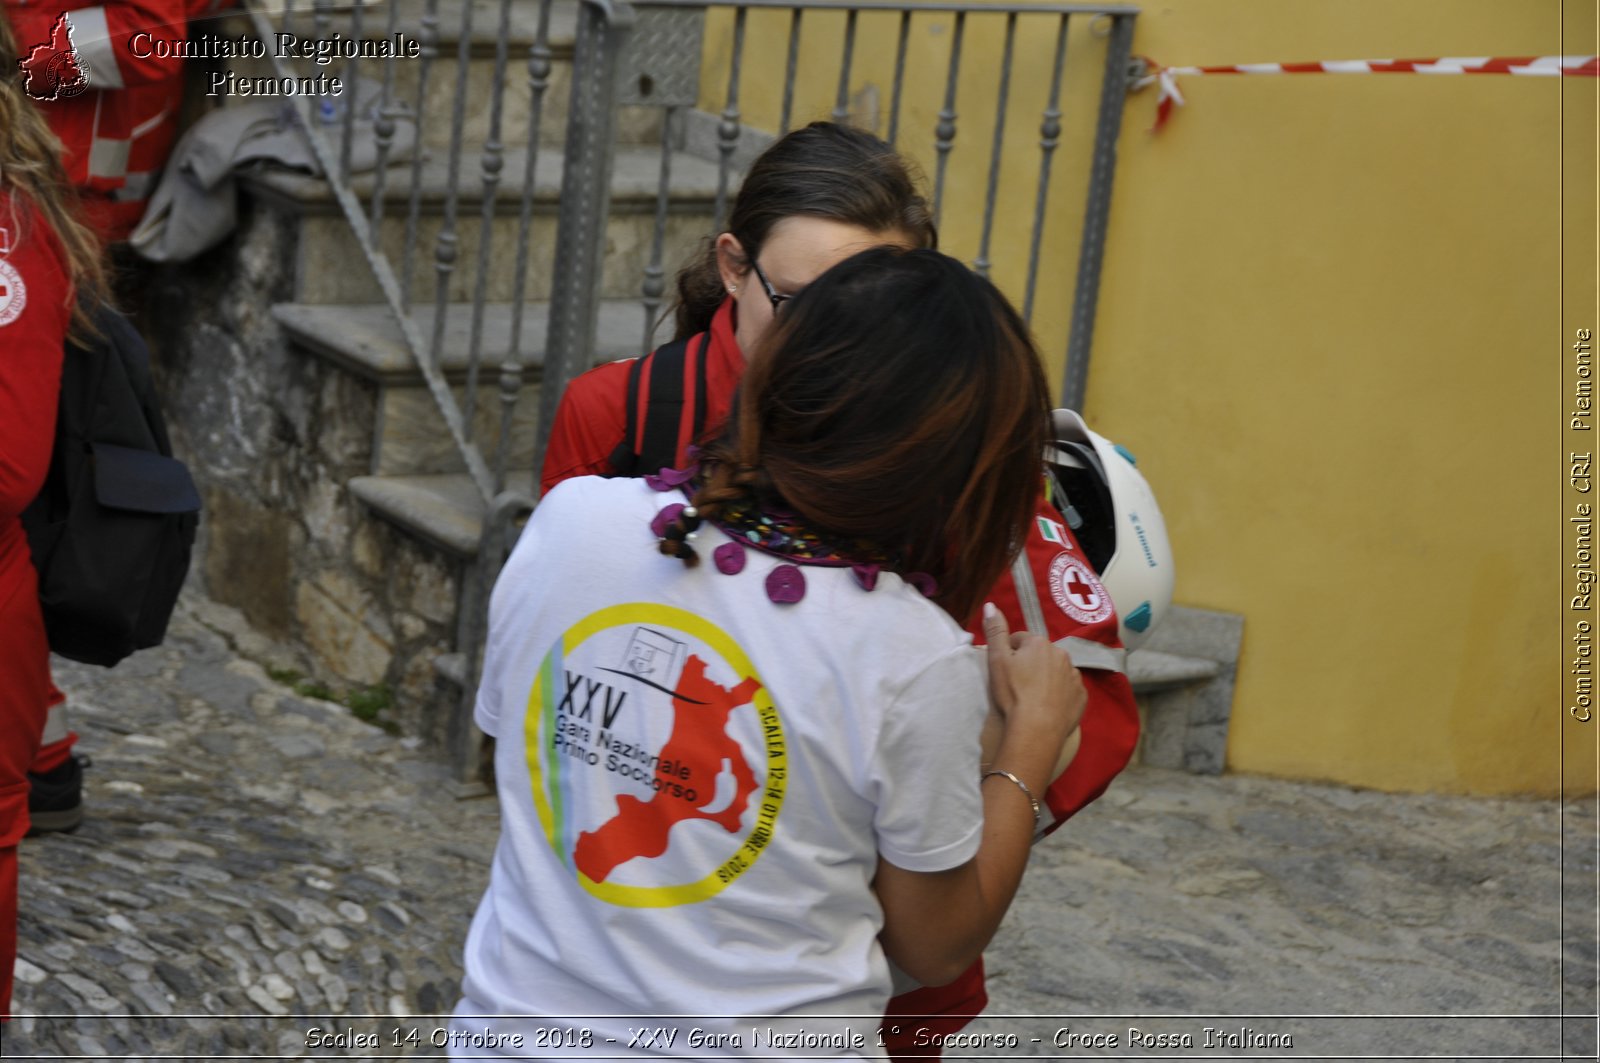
x,y
1034,801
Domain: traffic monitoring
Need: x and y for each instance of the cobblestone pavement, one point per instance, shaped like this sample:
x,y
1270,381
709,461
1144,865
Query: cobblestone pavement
x,y
256,865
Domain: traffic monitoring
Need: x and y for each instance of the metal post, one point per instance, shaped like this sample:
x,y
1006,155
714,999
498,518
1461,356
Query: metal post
x,y
945,132
539,65
899,76
655,285
586,199
993,190
384,124
789,70
1113,87
447,244
493,161
352,86
841,103
429,48
1049,140
728,128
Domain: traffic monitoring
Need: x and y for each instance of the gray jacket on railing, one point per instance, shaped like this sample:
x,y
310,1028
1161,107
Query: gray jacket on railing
x,y
194,208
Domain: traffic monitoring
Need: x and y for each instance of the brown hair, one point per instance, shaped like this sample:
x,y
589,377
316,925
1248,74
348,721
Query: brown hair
x,y
30,165
898,399
824,170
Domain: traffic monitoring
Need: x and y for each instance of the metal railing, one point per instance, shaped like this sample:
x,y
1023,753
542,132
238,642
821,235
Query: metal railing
x,y
646,57
603,68
643,59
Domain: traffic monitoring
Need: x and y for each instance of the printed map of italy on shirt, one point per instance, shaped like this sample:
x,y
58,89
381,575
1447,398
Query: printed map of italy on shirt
x,y
656,756
698,746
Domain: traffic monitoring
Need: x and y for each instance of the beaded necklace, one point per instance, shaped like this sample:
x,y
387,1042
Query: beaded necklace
x,y
781,534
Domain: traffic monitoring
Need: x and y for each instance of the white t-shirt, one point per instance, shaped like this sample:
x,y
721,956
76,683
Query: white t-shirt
x,y
695,786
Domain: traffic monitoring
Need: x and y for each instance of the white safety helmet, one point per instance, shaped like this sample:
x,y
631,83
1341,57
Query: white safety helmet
x,y
1113,513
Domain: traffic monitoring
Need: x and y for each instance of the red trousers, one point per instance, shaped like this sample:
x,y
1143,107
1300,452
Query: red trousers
x,y
25,694
916,1021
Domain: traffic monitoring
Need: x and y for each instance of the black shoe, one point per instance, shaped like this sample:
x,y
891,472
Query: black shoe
x,y
55,797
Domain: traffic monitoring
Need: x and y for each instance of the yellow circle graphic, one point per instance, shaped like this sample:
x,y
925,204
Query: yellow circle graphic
x,y
543,744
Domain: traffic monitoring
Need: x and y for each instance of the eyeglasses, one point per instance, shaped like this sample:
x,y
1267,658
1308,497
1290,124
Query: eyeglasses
x,y
772,293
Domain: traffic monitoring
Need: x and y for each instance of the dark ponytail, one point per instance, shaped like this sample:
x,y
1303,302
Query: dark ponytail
x,y
825,170
724,482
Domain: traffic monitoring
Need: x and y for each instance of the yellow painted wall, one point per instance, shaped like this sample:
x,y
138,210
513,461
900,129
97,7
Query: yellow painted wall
x,y
1580,309
1331,326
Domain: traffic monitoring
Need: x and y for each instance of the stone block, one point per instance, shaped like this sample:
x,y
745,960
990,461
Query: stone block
x,y
426,589
349,638
1205,748
417,698
412,438
248,558
347,407
1185,724
702,139
409,627
366,549
325,512
333,269
1192,632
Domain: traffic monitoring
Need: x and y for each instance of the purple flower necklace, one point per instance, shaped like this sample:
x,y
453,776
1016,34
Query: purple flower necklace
x,y
781,534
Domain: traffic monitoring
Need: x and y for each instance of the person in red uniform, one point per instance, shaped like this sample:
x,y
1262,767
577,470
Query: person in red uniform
x,y
156,105
94,72
114,91
46,259
815,197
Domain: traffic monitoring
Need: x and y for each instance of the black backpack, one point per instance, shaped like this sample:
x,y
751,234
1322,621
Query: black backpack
x,y
651,445
113,527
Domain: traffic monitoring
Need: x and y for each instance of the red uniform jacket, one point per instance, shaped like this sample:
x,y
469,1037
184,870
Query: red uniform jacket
x,y
590,422
35,309
113,47
154,107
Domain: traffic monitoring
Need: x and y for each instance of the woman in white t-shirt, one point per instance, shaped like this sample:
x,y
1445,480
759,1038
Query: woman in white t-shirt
x,y
732,792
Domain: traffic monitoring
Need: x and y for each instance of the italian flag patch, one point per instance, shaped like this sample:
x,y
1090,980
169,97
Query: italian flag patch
x,y
1052,531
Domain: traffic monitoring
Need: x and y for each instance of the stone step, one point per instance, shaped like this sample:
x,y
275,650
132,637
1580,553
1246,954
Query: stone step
x,y
635,124
1152,670
365,339
442,509
331,268
524,21
408,436
1184,677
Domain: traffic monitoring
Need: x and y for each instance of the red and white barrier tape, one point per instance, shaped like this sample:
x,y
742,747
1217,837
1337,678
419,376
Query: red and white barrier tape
x,y
1525,66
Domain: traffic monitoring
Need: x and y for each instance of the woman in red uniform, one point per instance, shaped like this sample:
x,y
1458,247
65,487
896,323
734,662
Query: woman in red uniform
x,y
46,257
815,197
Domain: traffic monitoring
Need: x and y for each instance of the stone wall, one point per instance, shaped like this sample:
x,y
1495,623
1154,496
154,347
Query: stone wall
x,y
272,435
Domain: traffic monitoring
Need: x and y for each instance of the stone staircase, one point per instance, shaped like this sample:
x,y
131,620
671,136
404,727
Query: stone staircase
x,y
341,513
331,268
